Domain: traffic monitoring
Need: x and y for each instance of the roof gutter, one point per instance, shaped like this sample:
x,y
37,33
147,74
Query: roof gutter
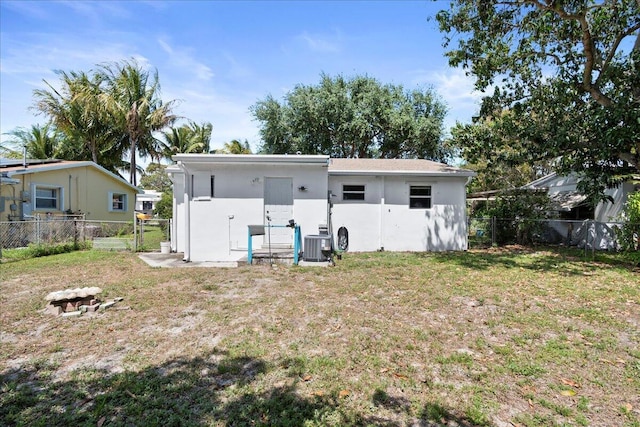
x,y
251,159
400,173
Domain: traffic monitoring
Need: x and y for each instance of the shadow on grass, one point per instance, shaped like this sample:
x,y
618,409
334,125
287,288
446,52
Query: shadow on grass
x,y
560,260
211,390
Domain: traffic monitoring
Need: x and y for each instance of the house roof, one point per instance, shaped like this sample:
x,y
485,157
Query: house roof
x,y
52,165
394,167
566,200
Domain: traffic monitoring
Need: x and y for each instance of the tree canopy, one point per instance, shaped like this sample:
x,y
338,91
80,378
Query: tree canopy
x,y
188,138
357,117
106,115
235,147
40,142
132,96
156,178
565,78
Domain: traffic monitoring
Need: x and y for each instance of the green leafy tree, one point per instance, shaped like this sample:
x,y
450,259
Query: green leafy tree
x,y
164,206
629,233
156,178
235,147
356,117
492,155
132,96
517,215
567,73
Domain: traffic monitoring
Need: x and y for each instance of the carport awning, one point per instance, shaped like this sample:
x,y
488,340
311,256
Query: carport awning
x,y
566,200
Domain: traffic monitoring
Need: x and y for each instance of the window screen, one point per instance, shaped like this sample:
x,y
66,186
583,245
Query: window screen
x,y
352,192
420,197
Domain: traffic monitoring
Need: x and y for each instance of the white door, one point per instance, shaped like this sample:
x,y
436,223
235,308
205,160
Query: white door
x,y
278,206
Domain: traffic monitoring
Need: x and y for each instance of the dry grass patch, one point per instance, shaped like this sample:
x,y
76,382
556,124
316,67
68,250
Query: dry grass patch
x,y
495,338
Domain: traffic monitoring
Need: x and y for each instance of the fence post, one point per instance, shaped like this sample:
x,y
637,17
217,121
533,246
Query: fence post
x,y
593,245
493,231
135,232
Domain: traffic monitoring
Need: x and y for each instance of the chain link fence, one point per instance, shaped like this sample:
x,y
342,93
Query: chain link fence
x,y
586,234
109,235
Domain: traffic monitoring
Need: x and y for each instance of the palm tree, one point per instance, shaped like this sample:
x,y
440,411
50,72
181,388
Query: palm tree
x,y
236,147
132,96
77,111
201,135
189,138
40,141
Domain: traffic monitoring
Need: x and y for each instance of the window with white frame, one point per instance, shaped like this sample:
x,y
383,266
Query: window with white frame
x,y
420,197
352,192
47,197
117,202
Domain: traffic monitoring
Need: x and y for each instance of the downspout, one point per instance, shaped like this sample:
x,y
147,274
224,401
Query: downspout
x,y
187,212
382,207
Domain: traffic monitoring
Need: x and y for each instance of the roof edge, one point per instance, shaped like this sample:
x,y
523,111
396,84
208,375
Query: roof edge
x,y
76,164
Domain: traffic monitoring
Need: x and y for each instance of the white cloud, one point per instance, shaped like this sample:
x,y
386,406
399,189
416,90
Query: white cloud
x,y
322,43
229,115
182,58
456,89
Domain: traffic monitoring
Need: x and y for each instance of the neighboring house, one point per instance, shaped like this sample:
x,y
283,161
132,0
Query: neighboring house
x,y
398,205
581,224
146,201
59,187
572,205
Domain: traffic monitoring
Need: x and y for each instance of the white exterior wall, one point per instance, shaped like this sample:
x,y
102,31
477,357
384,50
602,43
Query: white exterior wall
x,y
239,192
384,221
607,211
179,214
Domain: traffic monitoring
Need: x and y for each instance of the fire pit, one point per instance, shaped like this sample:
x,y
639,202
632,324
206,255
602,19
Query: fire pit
x,y
73,300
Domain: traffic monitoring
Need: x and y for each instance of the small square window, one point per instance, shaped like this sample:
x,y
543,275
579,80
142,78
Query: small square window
x,y
202,186
420,197
118,202
353,192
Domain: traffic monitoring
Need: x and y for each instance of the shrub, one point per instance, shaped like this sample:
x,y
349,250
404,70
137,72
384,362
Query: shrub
x,y
629,233
35,251
518,214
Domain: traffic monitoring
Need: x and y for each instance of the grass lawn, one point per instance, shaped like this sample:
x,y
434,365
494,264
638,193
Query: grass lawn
x,y
482,338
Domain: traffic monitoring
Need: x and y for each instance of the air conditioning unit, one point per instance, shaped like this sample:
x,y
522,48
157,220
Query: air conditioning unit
x,y
317,248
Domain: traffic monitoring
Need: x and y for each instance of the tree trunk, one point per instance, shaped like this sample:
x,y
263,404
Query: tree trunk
x,y
132,163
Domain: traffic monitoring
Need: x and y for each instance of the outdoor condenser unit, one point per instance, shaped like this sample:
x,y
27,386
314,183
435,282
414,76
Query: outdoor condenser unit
x,y
317,248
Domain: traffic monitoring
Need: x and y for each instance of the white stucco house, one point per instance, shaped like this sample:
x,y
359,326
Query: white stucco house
x,y
384,204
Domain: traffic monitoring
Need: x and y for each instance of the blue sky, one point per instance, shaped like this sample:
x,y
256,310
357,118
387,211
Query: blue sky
x,y
220,57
